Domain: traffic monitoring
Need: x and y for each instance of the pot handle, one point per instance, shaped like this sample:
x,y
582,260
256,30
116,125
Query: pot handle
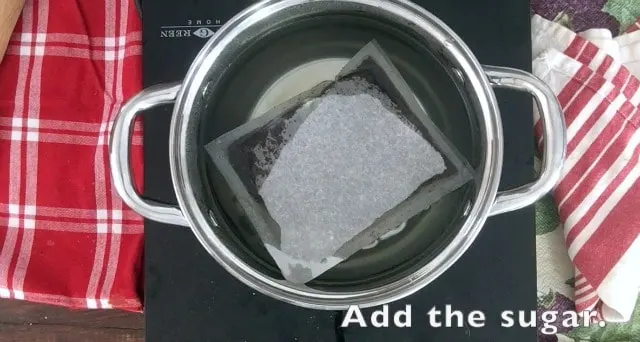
x,y
119,154
554,135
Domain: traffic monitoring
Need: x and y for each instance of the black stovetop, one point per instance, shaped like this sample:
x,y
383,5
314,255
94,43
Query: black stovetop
x,y
188,297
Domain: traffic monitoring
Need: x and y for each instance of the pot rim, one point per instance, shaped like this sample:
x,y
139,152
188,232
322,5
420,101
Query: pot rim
x,y
201,223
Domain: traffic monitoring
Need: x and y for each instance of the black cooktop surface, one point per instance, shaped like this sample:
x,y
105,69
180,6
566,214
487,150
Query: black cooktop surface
x,y
188,297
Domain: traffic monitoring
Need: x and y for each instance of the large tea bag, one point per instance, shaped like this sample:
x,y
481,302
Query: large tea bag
x,y
328,172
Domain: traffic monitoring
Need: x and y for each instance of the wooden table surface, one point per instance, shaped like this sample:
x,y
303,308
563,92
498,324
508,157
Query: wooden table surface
x,y
9,13
22,321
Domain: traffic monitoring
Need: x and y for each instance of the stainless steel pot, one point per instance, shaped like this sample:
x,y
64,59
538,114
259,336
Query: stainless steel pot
x,y
214,97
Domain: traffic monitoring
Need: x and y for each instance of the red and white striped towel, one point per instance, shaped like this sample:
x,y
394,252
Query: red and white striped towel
x,y
633,28
65,236
599,195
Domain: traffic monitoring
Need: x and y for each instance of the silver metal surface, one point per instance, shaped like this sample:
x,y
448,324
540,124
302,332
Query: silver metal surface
x,y
553,133
211,65
207,66
119,154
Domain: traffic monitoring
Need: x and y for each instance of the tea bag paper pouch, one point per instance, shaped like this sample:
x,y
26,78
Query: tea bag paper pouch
x,y
328,172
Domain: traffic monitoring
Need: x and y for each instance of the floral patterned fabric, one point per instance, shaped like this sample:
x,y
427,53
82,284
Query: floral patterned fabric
x,y
581,15
555,271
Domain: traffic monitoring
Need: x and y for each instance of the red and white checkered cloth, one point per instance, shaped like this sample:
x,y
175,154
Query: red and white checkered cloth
x,y
599,194
65,236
